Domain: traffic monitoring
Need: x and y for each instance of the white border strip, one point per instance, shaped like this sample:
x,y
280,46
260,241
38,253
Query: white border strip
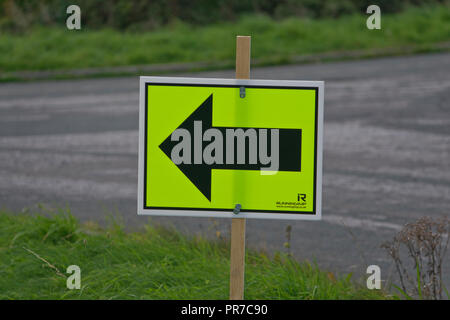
x,y
224,214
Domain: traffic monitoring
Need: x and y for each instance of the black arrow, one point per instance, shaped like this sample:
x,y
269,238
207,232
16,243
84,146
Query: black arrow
x,y
200,174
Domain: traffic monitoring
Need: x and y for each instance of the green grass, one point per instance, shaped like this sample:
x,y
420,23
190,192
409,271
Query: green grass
x,y
273,42
154,263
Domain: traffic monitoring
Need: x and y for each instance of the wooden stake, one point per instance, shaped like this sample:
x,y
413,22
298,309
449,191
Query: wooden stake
x,y
237,262
237,259
243,57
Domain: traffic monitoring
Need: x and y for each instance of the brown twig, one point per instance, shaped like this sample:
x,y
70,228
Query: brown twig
x,y
46,262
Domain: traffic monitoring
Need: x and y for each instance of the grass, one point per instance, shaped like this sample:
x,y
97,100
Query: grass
x,y
154,263
274,42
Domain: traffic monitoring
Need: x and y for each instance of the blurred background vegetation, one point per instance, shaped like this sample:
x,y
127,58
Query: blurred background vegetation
x,y
21,15
201,33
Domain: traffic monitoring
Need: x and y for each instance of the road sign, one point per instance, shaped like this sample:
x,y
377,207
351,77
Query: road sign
x,y
206,145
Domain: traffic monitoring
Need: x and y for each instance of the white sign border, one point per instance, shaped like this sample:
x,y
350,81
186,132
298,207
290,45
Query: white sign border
x,y
223,214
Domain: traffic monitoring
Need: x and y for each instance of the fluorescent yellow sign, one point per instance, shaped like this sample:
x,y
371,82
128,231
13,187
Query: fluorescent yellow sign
x,y
207,145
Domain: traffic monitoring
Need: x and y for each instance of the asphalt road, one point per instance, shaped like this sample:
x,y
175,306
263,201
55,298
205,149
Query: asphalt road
x,y
386,155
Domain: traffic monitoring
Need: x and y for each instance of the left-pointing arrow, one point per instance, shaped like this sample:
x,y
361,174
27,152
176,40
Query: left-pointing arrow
x,y
234,148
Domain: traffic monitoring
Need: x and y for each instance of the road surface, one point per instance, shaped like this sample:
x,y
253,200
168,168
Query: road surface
x,y
386,155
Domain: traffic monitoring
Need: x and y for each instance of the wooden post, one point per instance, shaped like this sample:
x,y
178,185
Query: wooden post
x,y
237,259
243,57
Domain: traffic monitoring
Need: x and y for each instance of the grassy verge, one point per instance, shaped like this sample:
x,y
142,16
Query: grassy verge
x,y
274,42
154,263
